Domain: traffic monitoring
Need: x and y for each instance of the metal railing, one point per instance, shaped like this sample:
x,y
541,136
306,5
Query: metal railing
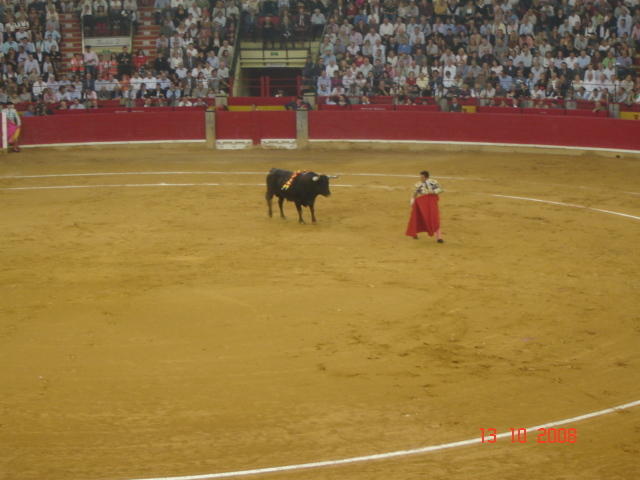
x,y
236,42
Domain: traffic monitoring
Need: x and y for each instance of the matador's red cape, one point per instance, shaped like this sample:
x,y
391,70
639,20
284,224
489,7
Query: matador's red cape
x,y
425,216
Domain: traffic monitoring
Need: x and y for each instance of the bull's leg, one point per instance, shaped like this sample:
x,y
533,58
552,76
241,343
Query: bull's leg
x,y
280,202
299,208
269,196
313,213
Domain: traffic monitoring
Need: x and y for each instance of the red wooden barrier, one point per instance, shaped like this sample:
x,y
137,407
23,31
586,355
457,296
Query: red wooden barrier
x,y
190,109
151,109
108,110
110,103
115,127
544,111
510,110
70,112
481,128
586,113
155,124
334,107
264,101
378,108
418,108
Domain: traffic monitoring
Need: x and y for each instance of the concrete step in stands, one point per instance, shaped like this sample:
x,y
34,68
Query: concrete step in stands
x,y
147,34
71,40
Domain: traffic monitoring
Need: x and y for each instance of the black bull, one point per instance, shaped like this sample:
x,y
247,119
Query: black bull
x,y
302,191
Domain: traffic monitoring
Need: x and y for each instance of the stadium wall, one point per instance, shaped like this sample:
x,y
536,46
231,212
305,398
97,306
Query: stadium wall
x,y
327,128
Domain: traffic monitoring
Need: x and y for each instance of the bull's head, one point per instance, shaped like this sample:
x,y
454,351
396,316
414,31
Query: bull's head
x,y
322,184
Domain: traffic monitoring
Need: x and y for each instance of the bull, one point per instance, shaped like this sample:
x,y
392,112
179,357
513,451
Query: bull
x,y
300,187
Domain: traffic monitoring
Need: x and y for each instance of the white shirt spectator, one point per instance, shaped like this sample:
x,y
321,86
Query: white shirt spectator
x,y
416,36
452,69
196,12
386,28
574,20
525,57
331,68
224,48
112,83
372,38
177,42
365,68
150,80
31,64
525,28
181,72
60,96
318,18
537,71
38,87
135,82
223,71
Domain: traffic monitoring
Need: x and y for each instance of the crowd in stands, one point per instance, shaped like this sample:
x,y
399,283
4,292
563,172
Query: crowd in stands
x,y
31,38
193,54
102,17
489,50
283,22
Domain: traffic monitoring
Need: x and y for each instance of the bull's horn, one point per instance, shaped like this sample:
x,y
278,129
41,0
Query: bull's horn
x,y
333,176
315,179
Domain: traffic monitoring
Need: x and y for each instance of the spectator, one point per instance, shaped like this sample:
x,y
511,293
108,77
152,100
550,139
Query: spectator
x,y
76,105
90,62
125,62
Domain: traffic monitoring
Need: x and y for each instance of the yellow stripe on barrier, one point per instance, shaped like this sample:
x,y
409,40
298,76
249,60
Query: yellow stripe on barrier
x,y
469,109
630,115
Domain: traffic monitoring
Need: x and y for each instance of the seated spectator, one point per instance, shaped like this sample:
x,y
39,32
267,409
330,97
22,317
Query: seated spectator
x,y
103,93
76,105
455,106
598,107
200,102
318,22
140,60
286,34
251,24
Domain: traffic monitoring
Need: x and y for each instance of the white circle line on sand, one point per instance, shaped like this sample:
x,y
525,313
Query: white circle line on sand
x,y
18,177
382,187
399,453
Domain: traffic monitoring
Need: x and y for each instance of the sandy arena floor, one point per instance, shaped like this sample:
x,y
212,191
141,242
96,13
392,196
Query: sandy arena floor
x,y
157,331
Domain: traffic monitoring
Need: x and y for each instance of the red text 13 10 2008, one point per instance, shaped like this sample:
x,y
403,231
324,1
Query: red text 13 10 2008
x,y
543,435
